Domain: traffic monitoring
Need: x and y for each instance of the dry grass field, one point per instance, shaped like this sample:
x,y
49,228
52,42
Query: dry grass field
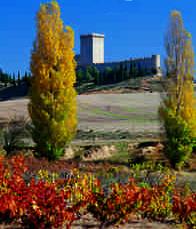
x,y
135,112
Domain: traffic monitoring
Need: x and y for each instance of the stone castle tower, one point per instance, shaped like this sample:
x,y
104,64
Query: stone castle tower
x,y
91,49
92,53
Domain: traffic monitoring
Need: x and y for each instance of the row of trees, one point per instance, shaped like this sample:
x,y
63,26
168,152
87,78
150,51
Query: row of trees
x,y
52,104
109,75
13,79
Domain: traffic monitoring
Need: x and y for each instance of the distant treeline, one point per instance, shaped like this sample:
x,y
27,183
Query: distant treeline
x,y
7,79
89,74
109,75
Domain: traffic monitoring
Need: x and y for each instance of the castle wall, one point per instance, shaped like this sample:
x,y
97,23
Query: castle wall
x,y
147,64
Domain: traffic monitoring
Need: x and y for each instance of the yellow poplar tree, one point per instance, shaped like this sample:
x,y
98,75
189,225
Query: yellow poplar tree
x,y
52,104
178,110
188,101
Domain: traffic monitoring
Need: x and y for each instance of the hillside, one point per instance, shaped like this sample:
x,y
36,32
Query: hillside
x,y
104,116
140,84
13,92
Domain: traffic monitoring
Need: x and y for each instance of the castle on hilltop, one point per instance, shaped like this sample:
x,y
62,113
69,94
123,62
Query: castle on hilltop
x,y
92,54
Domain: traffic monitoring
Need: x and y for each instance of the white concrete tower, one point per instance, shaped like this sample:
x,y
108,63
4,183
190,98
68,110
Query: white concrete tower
x,y
91,49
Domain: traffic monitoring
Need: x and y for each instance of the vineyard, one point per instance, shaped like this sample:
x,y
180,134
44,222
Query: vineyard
x,y
54,198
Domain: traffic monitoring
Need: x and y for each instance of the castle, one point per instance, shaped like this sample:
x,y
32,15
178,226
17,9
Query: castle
x,y
92,53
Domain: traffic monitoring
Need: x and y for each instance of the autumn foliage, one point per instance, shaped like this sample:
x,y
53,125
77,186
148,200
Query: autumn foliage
x,y
178,109
52,104
37,203
41,203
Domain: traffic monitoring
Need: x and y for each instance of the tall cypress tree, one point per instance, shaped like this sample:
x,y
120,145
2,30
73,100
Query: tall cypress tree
x,y
14,79
18,78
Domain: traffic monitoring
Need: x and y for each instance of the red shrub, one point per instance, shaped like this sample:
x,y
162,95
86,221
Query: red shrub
x,y
43,204
40,204
184,207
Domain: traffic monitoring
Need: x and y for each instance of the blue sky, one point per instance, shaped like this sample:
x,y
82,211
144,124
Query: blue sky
x,y
132,28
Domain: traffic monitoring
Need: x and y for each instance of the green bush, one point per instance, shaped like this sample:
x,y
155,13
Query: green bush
x,y
12,134
180,141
